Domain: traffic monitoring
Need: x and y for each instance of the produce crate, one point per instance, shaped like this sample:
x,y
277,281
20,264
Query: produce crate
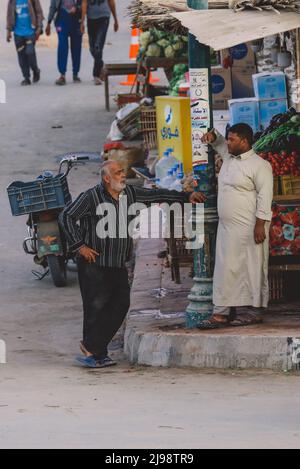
x,y
130,126
149,127
277,185
38,196
290,185
125,98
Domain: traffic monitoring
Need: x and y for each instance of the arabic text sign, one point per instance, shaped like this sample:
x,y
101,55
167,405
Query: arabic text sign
x,y
200,113
174,128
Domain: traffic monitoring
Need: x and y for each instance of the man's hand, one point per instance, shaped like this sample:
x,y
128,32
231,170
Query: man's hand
x,y
37,35
8,36
197,198
88,254
209,138
82,27
116,26
259,231
48,29
73,11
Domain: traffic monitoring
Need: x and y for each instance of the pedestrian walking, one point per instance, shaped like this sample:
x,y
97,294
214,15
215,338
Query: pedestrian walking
x,y
102,260
66,15
98,13
244,205
25,20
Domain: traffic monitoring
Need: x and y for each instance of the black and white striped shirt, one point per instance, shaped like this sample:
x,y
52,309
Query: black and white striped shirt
x,y
114,252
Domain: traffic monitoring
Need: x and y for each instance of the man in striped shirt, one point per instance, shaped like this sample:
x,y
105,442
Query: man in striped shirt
x,y
102,257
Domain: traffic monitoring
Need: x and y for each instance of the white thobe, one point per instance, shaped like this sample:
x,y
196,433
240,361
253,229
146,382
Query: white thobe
x,y
245,193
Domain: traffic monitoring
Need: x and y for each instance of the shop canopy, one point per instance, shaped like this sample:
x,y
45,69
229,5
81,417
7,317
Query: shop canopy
x,y
221,29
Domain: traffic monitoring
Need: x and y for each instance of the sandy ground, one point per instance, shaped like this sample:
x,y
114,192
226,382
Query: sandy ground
x,y
46,401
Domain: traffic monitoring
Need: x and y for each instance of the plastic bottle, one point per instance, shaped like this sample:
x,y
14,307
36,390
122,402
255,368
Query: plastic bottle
x,y
177,184
177,169
168,180
172,158
162,166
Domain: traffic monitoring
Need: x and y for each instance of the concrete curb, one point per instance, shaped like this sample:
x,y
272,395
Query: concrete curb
x,y
147,346
157,339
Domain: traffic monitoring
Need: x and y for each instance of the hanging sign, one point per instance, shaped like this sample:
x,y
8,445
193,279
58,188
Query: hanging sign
x,y
200,113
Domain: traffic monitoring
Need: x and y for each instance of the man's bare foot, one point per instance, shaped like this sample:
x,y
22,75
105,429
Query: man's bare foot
x,y
85,351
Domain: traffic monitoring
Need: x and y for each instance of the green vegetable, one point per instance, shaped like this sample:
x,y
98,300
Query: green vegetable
x,y
145,39
163,43
295,119
153,51
170,52
178,46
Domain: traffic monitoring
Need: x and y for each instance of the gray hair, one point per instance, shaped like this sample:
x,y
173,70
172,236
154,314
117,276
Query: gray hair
x,y
105,168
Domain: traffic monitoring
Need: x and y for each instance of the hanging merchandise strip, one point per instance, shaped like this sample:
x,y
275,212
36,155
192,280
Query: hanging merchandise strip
x,y
200,113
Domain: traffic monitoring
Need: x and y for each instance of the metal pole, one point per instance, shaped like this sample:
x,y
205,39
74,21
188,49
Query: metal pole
x,y
200,306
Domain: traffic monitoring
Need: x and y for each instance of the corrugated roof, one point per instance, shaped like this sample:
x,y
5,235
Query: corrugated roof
x,y
220,29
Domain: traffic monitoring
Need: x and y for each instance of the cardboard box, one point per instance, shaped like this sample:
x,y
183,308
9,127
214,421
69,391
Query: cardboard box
x,y
221,121
270,85
241,55
221,87
242,83
269,109
245,111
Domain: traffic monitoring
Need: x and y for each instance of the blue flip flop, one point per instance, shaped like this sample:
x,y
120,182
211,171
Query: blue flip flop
x,y
87,362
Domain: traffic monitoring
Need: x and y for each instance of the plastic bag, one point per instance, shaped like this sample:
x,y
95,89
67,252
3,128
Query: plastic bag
x,y
115,134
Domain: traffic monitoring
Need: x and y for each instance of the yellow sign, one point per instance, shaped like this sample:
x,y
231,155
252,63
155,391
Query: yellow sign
x,y
174,128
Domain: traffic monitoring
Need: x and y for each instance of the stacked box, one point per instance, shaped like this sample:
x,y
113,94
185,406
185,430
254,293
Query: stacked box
x,y
271,91
221,87
245,111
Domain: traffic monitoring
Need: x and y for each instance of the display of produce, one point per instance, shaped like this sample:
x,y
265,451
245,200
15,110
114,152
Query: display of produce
x,y
179,72
283,163
285,230
283,134
156,43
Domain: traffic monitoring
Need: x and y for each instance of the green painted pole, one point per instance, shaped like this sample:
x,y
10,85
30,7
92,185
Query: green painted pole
x,y
200,306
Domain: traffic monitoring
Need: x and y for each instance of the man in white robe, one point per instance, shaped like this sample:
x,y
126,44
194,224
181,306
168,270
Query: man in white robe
x,y
244,206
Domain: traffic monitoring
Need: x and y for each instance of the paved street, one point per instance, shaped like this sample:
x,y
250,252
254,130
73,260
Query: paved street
x,y
45,400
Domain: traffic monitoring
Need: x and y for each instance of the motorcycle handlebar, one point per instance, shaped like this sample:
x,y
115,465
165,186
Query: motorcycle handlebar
x,y
82,158
70,161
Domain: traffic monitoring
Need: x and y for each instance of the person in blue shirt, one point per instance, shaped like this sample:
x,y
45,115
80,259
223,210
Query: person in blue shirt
x,y
25,20
67,18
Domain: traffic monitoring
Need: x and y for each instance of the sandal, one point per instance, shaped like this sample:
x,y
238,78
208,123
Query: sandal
x,y
246,319
214,323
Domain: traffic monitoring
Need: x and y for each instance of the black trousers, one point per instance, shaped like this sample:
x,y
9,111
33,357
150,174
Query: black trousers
x,y
26,54
97,30
106,299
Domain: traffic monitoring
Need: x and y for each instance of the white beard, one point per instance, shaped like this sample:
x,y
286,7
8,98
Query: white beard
x,y
118,186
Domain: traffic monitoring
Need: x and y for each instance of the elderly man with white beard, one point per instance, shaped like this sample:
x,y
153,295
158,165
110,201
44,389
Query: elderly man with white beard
x,y
102,260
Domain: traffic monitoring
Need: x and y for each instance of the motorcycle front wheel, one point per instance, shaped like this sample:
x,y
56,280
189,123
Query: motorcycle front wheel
x,y
57,267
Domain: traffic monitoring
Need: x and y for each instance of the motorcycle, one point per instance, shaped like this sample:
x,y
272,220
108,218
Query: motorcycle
x,y
44,200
